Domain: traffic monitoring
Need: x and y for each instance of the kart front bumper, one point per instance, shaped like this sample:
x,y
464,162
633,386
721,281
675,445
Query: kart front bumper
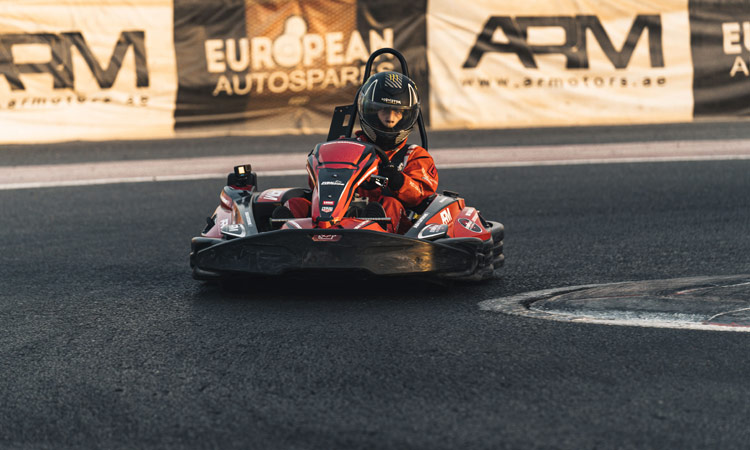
x,y
282,251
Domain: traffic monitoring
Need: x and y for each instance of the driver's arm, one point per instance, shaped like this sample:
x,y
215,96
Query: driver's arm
x,y
420,178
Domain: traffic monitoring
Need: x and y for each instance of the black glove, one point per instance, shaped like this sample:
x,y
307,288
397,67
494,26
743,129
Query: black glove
x,y
395,178
369,185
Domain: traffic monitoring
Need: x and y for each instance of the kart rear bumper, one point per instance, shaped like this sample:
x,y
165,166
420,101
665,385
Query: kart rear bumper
x,y
282,251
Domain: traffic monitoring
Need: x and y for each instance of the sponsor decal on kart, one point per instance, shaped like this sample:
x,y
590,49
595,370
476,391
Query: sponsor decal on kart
x,y
271,195
433,230
226,200
235,230
470,225
420,221
445,216
326,237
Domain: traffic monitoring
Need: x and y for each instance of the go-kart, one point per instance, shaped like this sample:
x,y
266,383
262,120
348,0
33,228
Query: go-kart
x,y
247,235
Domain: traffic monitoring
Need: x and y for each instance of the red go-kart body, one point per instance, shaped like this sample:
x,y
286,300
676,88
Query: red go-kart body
x,y
447,238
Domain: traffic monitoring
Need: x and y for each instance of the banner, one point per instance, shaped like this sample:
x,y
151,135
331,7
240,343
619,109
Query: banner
x,y
212,59
82,69
538,63
720,42
136,69
286,64
408,20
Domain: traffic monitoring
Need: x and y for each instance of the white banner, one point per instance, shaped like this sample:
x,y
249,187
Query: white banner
x,y
85,69
507,63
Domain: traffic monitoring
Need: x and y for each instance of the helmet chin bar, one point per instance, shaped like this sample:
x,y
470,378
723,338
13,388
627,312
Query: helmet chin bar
x,y
385,140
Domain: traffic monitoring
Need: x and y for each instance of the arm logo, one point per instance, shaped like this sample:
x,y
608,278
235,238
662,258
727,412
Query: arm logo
x,y
575,47
445,216
272,195
60,65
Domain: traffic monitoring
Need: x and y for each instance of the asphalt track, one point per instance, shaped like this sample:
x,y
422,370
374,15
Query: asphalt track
x,y
106,341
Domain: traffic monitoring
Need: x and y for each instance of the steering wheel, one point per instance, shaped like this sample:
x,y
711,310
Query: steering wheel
x,y
384,159
377,180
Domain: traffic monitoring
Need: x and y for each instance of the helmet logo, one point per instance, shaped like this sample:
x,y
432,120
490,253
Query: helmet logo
x,y
390,101
393,81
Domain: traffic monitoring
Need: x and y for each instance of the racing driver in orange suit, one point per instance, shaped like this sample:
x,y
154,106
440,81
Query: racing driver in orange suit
x,y
388,108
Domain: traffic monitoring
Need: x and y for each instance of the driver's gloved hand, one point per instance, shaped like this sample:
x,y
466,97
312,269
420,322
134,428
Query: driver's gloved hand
x,y
369,185
395,178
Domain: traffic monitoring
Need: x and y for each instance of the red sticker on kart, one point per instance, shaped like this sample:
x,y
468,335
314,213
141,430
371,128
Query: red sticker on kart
x,y
271,195
469,225
445,216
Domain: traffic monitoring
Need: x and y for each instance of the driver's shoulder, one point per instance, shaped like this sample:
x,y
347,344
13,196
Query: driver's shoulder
x,y
416,151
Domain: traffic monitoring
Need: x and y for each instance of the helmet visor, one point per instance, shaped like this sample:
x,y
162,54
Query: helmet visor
x,y
389,118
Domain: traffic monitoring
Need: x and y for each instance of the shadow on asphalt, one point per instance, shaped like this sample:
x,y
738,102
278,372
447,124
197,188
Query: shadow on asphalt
x,y
347,287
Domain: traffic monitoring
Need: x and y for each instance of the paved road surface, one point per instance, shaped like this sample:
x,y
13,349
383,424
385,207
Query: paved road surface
x,y
106,341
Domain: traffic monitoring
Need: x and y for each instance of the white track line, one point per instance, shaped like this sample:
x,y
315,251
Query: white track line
x,y
112,172
100,181
515,305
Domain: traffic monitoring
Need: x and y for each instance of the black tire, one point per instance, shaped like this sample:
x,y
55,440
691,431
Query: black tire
x,y
498,234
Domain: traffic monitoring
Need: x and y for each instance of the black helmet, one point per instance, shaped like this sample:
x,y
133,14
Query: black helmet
x,y
386,92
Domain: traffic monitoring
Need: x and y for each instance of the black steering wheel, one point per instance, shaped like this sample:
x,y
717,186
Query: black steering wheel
x,y
377,180
384,159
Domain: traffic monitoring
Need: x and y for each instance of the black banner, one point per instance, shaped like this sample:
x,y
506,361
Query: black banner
x,y
408,19
283,66
207,33
720,43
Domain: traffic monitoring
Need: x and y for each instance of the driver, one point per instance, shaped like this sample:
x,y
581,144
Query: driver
x,y
388,108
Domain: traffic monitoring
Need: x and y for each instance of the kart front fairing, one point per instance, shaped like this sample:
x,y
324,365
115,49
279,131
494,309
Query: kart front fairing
x,y
377,253
448,239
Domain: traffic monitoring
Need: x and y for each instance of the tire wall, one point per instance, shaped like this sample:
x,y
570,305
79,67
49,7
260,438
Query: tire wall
x,y
139,69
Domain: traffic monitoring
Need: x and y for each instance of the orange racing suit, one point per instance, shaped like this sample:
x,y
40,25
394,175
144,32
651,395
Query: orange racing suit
x,y
420,182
